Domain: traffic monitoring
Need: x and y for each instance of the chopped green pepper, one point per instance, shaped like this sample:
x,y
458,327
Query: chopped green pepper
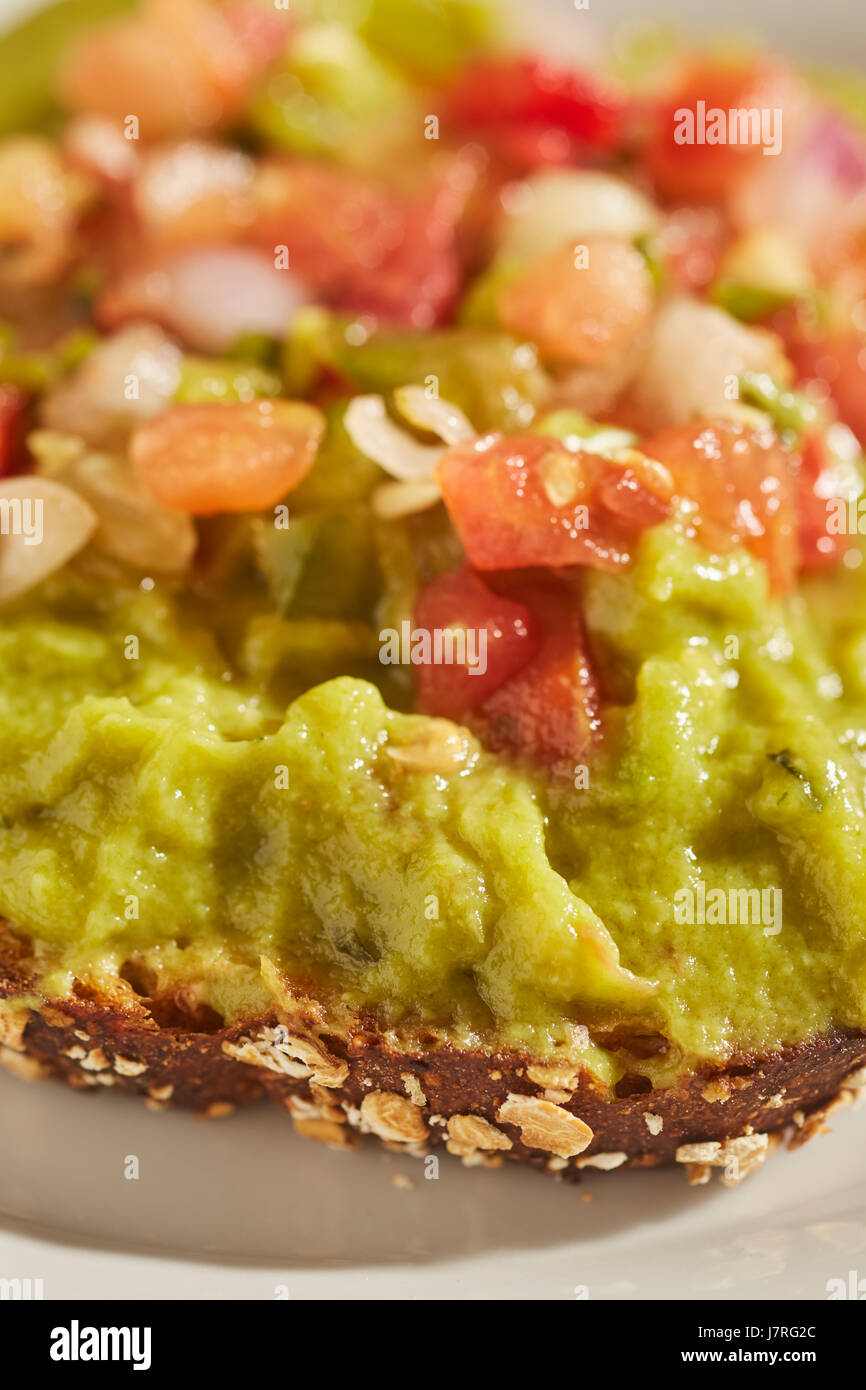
x,y
341,474
205,379
480,304
747,303
791,411
578,431
331,81
494,379
322,565
429,38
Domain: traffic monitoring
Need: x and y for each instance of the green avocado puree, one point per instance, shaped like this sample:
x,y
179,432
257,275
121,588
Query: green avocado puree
x,y
163,801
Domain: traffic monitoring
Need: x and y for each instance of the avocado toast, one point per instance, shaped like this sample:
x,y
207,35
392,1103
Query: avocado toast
x,y
433,690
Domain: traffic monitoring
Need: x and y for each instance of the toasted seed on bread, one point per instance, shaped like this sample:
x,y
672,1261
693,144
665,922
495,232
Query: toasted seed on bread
x,y
339,1081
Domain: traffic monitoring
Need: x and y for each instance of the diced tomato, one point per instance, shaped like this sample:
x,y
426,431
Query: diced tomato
x,y
691,242
835,360
418,283
816,484
364,218
260,31
508,97
362,247
12,406
523,148
526,501
234,457
692,171
582,309
549,711
502,633
740,480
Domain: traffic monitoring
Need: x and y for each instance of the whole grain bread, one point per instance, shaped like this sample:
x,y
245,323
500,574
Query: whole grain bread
x,y
342,1077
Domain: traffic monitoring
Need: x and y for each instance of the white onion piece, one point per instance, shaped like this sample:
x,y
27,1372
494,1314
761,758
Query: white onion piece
x,y
441,418
132,526
696,352
209,296
42,525
370,430
99,146
554,206
126,379
393,500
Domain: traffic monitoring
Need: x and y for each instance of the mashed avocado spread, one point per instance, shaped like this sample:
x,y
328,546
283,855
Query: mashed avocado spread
x,y
160,802
292,368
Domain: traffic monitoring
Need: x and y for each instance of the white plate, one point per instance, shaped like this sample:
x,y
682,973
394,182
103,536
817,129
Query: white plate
x,y
236,1208
242,1208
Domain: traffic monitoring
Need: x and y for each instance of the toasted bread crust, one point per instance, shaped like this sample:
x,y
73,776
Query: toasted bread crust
x,y
483,1107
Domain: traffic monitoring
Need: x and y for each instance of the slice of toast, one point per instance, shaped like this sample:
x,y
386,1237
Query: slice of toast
x,y
342,1077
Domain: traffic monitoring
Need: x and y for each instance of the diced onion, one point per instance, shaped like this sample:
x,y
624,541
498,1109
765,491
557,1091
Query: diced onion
x,y
42,525
127,378
696,355
370,430
557,205
132,526
98,145
394,500
209,296
441,418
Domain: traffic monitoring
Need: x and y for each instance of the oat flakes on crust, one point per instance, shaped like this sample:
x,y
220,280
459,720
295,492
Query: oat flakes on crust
x,y
13,1022
469,1132
325,1131
360,1062
292,1054
544,1125
392,1117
